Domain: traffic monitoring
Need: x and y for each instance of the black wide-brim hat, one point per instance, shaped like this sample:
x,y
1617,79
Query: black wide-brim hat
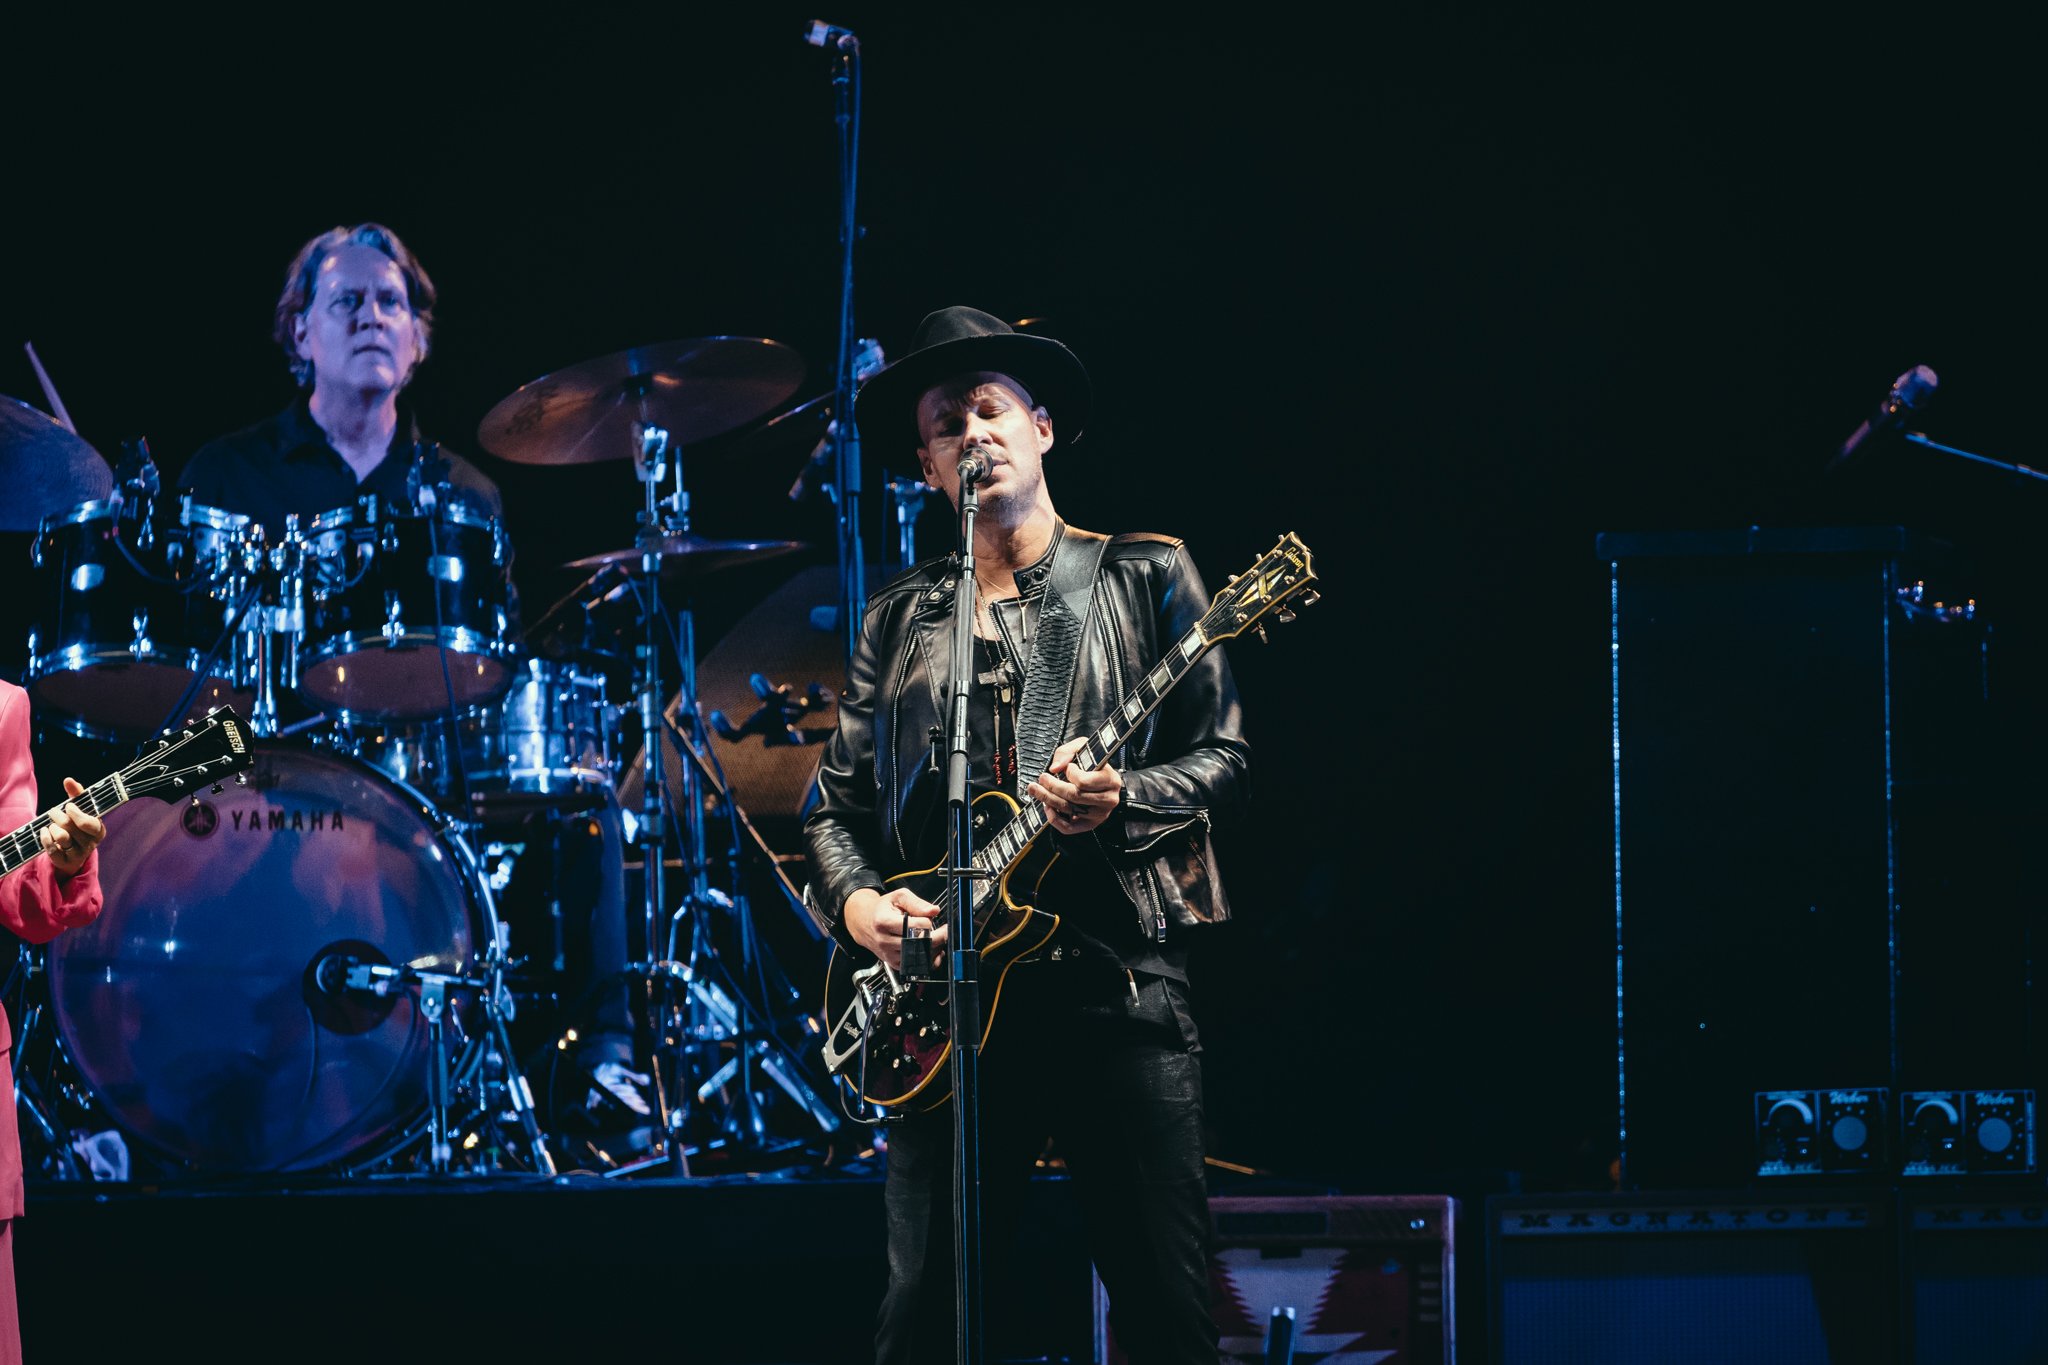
x,y
955,341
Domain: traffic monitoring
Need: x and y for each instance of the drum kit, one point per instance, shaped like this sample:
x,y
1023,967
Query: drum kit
x,y
311,972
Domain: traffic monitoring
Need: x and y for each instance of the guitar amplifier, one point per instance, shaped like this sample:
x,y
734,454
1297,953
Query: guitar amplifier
x,y
1368,1278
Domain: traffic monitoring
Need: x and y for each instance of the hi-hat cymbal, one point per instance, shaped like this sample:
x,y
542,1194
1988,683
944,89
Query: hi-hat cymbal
x,y
44,467
695,388
685,554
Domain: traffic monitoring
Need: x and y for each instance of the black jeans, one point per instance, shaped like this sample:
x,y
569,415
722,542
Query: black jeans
x,y
1117,1086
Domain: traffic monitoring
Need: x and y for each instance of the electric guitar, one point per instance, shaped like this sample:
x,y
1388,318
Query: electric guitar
x,y
888,1038
184,761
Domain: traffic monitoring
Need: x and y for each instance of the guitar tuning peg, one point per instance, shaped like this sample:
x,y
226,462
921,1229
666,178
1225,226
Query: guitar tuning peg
x,y
217,789
1311,597
1260,630
1286,615
241,779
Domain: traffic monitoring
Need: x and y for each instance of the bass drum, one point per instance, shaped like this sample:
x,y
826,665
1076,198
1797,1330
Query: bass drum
x,y
195,1007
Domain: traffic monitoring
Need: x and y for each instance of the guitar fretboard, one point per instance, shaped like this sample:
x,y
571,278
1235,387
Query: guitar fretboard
x,y
1011,841
18,848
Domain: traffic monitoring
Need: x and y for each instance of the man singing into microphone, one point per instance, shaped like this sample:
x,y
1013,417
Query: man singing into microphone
x,y
1095,1046
56,890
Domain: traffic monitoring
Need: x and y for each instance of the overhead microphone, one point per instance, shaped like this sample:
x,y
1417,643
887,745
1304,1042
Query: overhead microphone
x,y
1908,392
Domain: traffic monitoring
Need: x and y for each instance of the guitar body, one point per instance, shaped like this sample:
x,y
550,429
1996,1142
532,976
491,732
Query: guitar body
x,y
901,1059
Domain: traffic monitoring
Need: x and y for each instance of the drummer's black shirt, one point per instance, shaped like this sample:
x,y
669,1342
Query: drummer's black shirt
x,y
283,465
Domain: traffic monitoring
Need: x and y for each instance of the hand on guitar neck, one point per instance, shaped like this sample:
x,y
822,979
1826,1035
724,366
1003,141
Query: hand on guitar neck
x,y
1077,799
71,835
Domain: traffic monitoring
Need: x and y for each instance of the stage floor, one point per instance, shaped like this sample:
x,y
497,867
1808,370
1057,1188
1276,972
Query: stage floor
x,y
784,1268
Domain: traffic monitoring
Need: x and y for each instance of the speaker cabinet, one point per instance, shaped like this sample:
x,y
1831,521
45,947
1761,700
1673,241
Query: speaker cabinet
x,y
1791,1279
1815,877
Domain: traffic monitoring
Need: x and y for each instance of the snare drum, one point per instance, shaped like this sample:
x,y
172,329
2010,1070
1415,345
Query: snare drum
x,y
550,744
396,596
125,609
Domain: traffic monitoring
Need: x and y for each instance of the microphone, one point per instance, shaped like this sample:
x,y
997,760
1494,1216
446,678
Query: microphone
x,y
331,973
1908,392
138,471
822,34
973,465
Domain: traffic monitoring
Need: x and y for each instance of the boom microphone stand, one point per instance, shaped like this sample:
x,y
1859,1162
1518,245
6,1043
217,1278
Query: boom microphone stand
x,y
963,996
845,438
2008,466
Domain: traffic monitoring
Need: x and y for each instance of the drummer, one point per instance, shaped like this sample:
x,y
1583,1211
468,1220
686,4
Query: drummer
x,y
355,321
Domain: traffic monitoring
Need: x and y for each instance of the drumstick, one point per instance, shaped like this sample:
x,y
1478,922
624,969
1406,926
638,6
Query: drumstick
x,y
49,389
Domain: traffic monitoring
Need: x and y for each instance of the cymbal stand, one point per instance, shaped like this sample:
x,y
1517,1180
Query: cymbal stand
x,y
908,495
729,1012
690,1012
650,466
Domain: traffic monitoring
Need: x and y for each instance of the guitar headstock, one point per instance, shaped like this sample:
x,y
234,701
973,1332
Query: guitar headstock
x,y
1282,579
191,757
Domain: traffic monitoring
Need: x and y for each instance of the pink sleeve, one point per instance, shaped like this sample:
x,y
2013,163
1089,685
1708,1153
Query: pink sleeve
x,y
34,901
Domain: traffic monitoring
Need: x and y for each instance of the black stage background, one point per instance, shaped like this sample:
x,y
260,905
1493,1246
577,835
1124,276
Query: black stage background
x,y
1444,295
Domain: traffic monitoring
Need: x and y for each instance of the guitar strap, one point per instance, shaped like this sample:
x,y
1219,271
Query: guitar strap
x,y
1063,616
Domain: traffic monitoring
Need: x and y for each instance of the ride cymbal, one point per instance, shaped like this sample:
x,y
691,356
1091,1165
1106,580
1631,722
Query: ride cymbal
x,y
592,412
44,467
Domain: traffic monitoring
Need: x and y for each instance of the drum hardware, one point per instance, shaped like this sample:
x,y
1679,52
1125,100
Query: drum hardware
x,y
647,405
687,1022
776,720
908,496
706,1013
698,1018
433,989
268,583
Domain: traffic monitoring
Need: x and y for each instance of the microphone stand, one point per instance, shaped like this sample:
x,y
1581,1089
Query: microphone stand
x,y
1921,439
963,996
845,437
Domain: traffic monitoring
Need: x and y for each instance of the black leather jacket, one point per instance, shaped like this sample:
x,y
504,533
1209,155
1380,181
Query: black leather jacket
x,y
1186,765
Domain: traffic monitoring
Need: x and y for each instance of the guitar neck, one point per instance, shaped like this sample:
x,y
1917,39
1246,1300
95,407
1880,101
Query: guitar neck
x,y
18,848
995,857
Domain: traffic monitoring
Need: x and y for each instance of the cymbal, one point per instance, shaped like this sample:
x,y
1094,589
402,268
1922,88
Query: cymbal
x,y
685,554
591,412
44,467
